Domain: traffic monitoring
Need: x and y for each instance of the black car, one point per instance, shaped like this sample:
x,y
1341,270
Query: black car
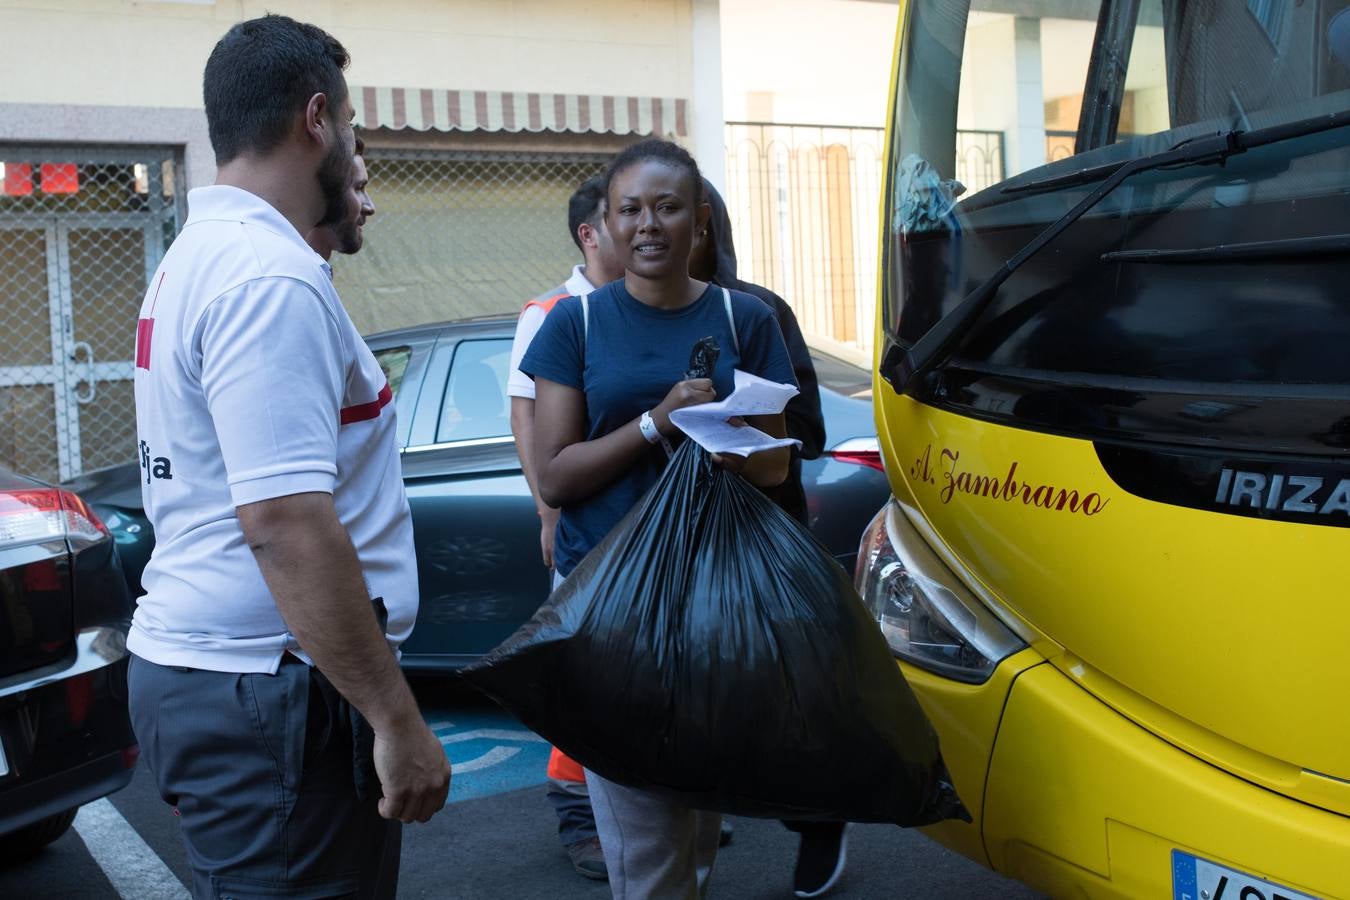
x,y
474,522
65,735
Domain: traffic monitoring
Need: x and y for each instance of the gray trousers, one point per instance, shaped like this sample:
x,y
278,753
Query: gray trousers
x,y
261,771
654,849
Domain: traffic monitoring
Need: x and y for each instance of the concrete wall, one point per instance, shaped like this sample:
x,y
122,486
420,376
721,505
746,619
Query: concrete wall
x,y
821,62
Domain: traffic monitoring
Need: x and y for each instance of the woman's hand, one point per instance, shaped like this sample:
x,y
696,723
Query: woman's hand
x,y
730,461
684,393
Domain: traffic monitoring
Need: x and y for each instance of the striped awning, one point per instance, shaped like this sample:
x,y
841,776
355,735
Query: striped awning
x,y
426,109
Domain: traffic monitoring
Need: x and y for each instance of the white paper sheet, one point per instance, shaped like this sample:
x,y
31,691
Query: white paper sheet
x,y
707,423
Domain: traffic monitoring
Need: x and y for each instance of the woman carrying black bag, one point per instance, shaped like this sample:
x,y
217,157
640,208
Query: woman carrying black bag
x,y
609,370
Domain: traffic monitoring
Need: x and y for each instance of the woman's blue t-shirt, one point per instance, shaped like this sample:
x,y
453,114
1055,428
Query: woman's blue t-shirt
x,y
626,363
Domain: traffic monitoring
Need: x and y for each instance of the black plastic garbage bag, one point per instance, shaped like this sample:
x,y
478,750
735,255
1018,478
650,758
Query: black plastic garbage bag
x,y
709,649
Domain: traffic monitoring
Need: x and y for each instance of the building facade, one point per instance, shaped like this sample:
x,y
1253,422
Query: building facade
x,y
480,118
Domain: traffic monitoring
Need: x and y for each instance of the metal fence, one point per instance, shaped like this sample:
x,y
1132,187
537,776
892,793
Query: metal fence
x,y
460,234
979,160
456,233
804,202
1059,145
81,231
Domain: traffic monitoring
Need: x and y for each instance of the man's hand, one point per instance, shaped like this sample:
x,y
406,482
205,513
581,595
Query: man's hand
x,y
548,527
311,567
413,770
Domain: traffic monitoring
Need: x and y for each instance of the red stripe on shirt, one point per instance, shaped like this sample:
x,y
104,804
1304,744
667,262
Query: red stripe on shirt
x,y
145,329
364,411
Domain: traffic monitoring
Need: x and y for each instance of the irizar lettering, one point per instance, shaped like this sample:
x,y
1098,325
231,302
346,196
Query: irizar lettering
x,y
1307,494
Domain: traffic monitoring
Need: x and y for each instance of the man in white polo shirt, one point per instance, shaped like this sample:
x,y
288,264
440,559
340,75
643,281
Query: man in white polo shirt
x,y
283,577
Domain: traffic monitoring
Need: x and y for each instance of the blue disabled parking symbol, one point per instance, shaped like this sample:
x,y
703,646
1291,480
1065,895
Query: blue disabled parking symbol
x,y
490,753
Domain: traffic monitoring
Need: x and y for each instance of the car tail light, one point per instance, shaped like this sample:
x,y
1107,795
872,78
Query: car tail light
x,y
859,452
44,514
79,697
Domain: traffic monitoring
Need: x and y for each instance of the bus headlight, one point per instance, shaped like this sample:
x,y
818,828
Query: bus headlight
x,y
929,618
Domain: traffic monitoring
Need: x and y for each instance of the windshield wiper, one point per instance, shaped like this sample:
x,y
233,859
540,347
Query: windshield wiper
x,y
905,368
1286,249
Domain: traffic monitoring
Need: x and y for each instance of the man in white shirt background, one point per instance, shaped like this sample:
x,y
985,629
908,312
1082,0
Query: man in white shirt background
x,y
283,577
346,236
586,222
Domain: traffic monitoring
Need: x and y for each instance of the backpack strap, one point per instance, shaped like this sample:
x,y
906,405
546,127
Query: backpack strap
x,y
585,316
731,320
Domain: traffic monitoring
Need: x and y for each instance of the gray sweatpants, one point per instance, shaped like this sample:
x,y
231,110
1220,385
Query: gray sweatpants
x,y
654,849
260,769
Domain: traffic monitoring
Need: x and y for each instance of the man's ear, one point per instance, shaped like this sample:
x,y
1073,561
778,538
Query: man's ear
x,y
316,117
586,232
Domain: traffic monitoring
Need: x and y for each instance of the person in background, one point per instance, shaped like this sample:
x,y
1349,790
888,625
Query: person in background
x,y
264,686
346,237
585,220
822,851
608,372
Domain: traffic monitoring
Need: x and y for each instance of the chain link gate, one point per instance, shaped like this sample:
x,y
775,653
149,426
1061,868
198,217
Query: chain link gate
x,y
81,232
456,234
461,233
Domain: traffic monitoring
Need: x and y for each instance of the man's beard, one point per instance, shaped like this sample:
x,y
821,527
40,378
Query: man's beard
x,y
348,237
335,175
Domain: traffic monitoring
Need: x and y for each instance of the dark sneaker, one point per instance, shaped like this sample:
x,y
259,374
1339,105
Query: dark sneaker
x,y
727,834
588,859
820,861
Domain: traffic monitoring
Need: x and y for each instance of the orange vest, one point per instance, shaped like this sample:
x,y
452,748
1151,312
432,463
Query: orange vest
x,y
562,767
546,302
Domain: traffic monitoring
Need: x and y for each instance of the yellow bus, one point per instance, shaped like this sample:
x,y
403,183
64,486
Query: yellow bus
x,y
1113,396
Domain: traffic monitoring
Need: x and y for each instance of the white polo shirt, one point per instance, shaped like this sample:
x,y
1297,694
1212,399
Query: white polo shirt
x,y
252,383
518,384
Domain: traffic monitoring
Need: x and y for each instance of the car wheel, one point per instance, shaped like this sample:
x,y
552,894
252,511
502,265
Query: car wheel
x,y
21,844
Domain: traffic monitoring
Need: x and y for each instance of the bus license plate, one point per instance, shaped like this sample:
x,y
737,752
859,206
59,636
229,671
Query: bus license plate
x,y
1199,879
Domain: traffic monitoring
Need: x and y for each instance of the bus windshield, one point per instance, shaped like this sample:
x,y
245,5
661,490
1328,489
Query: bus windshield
x,y
1211,278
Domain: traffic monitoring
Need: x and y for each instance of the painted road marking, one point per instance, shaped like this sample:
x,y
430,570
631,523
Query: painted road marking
x,y
491,758
496,734
490,753
126,859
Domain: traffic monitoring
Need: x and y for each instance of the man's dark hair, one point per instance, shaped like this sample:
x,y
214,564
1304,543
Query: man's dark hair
x,y
657,150
260,74
586,206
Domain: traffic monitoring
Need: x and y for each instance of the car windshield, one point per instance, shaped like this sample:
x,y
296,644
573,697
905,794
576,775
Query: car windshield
x,y
1009,112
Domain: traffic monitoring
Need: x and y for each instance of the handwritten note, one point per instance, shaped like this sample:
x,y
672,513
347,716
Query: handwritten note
x,y
707,423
